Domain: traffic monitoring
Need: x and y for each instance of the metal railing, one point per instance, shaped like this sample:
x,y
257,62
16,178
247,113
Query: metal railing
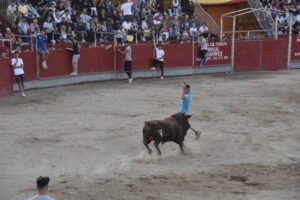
x,y
264,18
214,28
248,34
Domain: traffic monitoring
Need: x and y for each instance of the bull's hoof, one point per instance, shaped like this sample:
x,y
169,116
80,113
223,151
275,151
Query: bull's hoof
x,y
150,152
159,153
198,133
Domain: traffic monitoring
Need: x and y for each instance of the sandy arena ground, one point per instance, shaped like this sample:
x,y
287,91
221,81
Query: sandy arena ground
x,y
88,139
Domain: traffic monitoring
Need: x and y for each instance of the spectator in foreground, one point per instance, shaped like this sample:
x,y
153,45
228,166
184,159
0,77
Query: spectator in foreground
x,y
18,65
42,188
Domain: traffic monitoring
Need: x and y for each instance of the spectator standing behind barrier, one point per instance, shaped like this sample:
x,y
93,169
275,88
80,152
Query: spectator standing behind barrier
x,y
41,47
18,65
42,186
126,9
159,58
75,56
128,61
203,50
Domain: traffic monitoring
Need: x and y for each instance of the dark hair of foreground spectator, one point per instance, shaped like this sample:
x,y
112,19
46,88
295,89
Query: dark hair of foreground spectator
x,y
42,181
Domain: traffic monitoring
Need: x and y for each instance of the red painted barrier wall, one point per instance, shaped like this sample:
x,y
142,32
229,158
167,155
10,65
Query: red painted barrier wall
x,y
6,78
247,54
250,55
260,55
219,53
274,55
295,54
29,59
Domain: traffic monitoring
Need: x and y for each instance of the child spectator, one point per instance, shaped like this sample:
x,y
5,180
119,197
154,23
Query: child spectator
x,y
18,65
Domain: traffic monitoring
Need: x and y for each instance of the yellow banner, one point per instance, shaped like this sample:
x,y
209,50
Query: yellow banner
x,y
217,2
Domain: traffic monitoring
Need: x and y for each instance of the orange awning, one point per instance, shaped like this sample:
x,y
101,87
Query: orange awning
x,y
217,2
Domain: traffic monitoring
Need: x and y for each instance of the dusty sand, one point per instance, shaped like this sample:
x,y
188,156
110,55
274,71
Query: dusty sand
x,y
88,139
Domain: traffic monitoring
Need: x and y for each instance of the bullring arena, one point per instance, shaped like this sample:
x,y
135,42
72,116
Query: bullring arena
x,y
88,139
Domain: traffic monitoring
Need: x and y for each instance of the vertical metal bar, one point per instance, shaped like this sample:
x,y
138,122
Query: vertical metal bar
x,y
233,44
31,43
248,35
276,27
37,61
290,44
260,54
95,39
193,50
10,44
115,56
221,30
136,38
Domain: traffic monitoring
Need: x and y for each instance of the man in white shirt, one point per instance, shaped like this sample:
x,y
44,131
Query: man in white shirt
x,y
126,10
128,61
203,30
127,25
86,18
18,65
159,58
42,188
194,31
24,25
203,50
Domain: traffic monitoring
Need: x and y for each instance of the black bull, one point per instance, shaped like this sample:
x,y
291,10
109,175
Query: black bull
x,y
173,129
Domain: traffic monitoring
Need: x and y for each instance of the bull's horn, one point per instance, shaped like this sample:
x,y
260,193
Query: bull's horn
x,y
146,122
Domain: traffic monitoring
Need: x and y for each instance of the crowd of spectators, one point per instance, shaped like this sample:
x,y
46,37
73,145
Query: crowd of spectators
x,y
285,11
99,21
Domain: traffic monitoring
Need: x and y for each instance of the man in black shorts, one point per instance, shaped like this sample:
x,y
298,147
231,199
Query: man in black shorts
x,y
203,50
18,65
159,58
128,61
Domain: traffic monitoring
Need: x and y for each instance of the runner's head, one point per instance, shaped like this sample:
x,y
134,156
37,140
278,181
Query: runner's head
x,y
187,88
159,46
42,183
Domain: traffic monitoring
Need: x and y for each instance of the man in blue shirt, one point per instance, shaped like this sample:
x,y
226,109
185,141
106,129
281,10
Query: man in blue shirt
x,y
42,188
186,99
41,40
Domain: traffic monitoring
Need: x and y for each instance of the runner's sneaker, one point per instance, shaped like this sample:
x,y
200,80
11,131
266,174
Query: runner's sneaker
x,y
198,133
130,80
74,74
23,94
161,77
44,65
153,68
